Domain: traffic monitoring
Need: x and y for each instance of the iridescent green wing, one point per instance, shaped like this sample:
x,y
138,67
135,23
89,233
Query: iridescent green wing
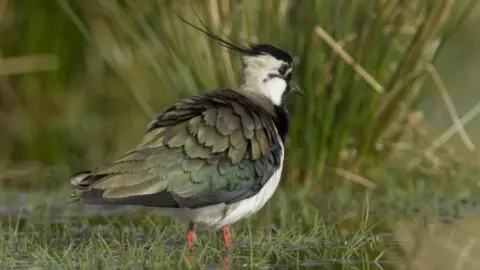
x,y
214,148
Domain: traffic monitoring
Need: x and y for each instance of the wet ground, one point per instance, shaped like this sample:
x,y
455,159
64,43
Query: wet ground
x,y
40,231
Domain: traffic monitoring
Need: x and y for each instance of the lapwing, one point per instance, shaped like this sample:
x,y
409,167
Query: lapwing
x,y
211,159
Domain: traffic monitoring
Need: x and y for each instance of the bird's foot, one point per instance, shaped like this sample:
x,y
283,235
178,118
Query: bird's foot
x,y
226,263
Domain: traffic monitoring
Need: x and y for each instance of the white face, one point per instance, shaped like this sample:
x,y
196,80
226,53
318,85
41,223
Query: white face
x,y
263,73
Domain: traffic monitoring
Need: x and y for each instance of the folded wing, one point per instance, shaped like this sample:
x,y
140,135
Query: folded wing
x,y
213,148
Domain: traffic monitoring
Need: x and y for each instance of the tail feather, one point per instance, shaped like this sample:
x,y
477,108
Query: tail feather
x,y
83,179
82,192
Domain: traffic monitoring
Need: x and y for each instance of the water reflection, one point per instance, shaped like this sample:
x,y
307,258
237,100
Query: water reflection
x,y
436,245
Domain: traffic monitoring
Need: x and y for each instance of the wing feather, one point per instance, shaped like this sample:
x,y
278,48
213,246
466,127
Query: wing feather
x,y
213,148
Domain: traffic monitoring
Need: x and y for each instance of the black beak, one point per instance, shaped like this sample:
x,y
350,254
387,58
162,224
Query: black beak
x,y
294,88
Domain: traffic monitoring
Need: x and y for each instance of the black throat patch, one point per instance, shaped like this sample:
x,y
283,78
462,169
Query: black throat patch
x,y
281,121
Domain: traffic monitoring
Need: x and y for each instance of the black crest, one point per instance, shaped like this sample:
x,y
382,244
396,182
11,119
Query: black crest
x,y
272,50
252,49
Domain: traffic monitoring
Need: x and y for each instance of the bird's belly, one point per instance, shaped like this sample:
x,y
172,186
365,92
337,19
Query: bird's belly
x,y
217,216
204,218
245,208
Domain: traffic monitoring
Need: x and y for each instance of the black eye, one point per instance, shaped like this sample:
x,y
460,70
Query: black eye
x,y
283,70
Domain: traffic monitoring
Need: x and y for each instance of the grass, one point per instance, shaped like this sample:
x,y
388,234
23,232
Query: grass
x,y
51,235
164,249
103,247
341,230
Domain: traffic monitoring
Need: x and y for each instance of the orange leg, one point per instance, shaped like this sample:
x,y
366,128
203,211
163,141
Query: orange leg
x,y
191,236
228,244
226,236
191,240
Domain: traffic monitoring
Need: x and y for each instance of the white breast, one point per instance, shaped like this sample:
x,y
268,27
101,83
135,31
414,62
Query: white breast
x,y
217,216
274,89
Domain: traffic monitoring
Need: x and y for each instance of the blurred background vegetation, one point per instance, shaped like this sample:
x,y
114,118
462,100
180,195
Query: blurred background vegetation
x,y
385,80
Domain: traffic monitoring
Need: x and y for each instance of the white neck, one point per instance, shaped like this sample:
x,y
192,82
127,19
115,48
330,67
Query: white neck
x,y
256,79
272,88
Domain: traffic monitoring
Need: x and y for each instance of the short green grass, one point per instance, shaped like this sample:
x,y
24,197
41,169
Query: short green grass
x,y
52,236
296,230
163,248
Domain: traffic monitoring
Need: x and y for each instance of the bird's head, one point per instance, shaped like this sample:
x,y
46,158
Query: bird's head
x,y
267,69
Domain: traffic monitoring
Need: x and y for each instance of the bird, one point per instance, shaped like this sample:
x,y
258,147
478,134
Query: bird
x,y
210,159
